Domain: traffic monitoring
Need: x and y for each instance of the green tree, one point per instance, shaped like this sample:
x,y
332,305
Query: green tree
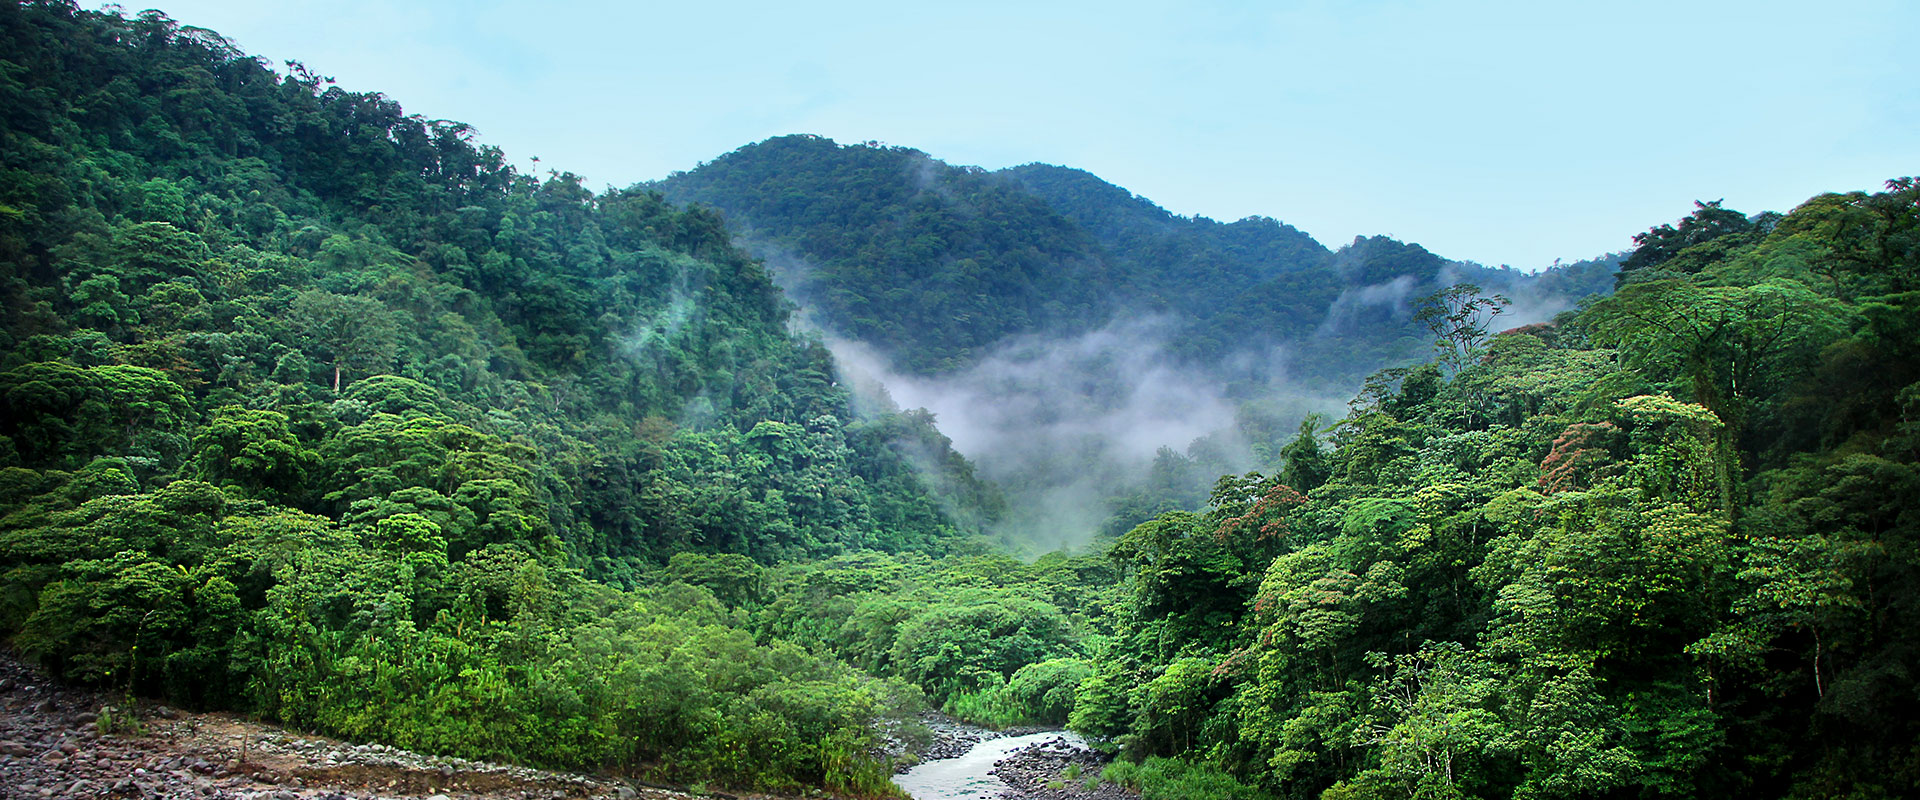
x,y
255,451
1661,244
1459,317
350,332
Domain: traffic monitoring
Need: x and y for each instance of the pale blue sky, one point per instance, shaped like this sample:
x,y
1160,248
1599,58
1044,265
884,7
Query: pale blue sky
x,y
1501,132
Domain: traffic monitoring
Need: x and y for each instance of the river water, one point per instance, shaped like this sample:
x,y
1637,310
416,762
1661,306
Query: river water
x,y
969,777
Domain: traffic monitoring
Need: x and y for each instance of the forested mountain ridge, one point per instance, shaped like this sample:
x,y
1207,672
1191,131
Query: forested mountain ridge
x,y
320,410
1055,321
933,263
895,249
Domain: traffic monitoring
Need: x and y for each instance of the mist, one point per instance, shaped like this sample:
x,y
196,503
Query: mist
x,y
1387,301
1069,426
1530,304
1066,425
1086,432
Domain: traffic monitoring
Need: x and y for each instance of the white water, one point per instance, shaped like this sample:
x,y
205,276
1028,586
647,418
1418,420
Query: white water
x,y
969,777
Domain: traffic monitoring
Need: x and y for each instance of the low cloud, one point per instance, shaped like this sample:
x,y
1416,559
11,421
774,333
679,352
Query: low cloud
x,y
1389,300
1064,424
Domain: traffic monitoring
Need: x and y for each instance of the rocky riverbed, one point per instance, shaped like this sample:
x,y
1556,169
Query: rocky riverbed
x,y
58,742
1057,769
947,737
964,762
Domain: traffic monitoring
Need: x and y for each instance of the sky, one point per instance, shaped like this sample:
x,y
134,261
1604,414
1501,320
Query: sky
x,y
1499,132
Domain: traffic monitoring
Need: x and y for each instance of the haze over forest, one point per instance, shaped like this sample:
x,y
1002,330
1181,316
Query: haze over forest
x,y
324,411
1064,332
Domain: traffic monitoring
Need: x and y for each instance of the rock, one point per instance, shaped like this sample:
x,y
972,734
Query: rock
x,y
15,749
438,797
47,706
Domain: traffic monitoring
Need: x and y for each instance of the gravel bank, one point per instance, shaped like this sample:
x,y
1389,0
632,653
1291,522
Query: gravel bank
x,y
1041,772
950,737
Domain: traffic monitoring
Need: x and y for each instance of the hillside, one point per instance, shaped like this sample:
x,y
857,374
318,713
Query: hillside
x,y
934,265
317,409
886,245
319,414
1092,352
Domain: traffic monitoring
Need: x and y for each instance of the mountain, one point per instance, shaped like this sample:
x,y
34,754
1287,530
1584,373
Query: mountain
x,y
1057,323
935,264
318,409
315,410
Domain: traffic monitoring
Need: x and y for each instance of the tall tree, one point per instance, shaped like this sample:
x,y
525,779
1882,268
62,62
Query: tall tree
x,y
349,331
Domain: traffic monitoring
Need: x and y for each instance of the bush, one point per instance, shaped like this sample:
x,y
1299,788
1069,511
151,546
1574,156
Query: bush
x,y
992,705
1045,691
1177,779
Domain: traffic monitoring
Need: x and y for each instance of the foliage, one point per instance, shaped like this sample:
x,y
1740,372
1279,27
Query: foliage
x,y
1638,552
320,410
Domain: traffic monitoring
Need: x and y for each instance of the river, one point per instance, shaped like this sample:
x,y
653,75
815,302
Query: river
x,y
970,776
